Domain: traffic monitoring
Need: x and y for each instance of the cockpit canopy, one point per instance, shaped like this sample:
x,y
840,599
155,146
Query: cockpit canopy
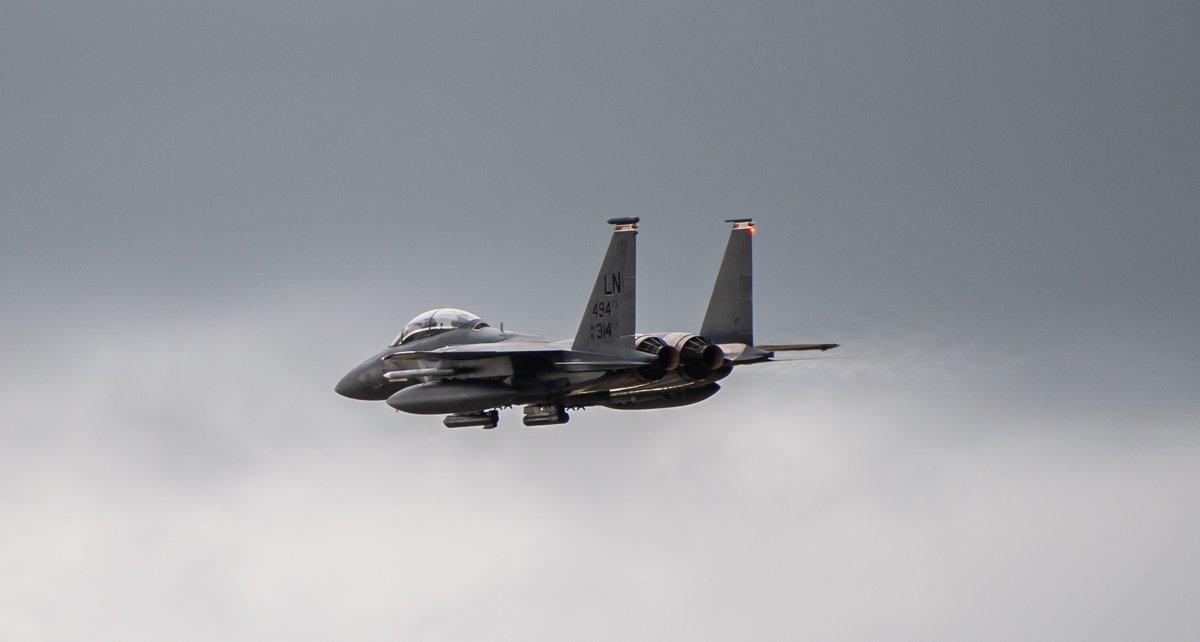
x,y
438,321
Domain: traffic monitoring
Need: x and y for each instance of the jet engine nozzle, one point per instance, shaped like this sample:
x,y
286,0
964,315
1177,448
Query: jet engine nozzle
x,y
698,357
668,358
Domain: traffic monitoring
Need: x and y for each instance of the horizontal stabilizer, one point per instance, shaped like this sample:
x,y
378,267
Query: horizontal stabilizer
x,y
796,347
738,354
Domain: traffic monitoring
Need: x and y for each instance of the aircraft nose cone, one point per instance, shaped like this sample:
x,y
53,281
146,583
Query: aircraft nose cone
x,y
349,386
365,383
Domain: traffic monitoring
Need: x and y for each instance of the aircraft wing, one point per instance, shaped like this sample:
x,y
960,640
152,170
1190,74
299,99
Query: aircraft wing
x,y
478,351
600,366
565,358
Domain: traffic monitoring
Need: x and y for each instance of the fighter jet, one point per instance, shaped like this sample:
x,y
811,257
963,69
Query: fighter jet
x,y
449,361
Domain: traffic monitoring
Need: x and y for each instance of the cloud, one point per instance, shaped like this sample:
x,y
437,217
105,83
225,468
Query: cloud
x,y
189,492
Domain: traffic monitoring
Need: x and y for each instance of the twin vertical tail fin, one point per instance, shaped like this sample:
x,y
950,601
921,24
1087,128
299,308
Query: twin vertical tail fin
x,y
730,316
608,320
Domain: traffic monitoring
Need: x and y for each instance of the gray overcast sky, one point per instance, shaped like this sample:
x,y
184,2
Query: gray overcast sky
x,y
212,210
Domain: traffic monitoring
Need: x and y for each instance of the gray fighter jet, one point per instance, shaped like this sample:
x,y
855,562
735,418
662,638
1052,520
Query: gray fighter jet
x,y
451,362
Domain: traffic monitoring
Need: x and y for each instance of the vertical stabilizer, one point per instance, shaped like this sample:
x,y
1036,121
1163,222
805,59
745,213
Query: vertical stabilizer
x,y
608,320
730,316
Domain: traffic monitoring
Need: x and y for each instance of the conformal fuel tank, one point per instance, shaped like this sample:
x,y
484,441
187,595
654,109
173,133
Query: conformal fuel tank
x,y
447,397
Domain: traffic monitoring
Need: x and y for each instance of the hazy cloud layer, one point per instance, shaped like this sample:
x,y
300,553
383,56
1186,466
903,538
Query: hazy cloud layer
x,y
211,212
927,494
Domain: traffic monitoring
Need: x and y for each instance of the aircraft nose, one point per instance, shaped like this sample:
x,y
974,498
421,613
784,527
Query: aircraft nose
x,y
349,386
366,383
